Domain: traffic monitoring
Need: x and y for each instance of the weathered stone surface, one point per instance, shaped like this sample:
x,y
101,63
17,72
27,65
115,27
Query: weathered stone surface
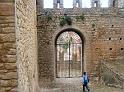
x,y
26,45
9,59
10,66
7,37
1,46
8,30
6,9
10,45
101,41
14,90
7,1
1,66
111,74
8,83
12,52
9,75
3,71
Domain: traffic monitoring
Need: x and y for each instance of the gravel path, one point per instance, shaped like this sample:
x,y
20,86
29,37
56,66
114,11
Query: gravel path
x,y
74,85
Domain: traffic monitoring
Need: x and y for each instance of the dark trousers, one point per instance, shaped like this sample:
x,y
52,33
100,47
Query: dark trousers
x,y
86,86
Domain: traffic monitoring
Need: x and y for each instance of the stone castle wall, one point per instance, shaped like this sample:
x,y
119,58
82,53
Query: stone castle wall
x,y
8,66
111,75
103,41
26,33
121,3
18,42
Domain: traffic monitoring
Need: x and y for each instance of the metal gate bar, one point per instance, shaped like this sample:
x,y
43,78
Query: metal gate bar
x,y
67,63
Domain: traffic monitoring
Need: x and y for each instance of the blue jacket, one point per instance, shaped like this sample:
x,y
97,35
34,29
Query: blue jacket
x,y
85,79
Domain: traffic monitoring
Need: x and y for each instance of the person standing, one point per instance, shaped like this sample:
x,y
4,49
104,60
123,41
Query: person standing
x,y
85,81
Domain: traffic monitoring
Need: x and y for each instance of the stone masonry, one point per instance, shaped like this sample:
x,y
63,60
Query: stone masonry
x,y
28,36
8,67
26,40
103,41
112,75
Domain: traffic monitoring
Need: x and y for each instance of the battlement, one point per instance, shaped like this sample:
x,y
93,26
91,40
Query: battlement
x,y
77,11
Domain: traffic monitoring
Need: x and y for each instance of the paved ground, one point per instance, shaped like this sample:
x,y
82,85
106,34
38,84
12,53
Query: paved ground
x,y
74,85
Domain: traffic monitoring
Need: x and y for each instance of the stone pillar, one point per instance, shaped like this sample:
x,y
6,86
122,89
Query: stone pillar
x,y
58,2
61,3
79,2
113,3
26,44
95,3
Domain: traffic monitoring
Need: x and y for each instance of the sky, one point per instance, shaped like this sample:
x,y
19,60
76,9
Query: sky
x,y
69,3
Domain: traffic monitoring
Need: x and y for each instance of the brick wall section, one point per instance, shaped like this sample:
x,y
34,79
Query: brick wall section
x,y
26,45
8,69
98,40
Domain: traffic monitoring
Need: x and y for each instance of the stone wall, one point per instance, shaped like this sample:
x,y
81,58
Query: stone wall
x,y
111,76
121,3
26,37
39,5
8,69
104,40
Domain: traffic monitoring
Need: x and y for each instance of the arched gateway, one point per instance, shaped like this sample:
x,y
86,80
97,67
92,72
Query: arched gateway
x,y
69,54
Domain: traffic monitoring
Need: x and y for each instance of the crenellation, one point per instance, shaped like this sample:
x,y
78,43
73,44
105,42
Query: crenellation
x,y
95,3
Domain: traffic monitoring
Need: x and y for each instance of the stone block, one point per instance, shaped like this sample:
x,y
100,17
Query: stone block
x,y
9,75
14,90
7,19
2,89
1,46
10,66
12,51
7,37
6,9
11,58
8,30
1,66
3,71
8,83
6,1
10,45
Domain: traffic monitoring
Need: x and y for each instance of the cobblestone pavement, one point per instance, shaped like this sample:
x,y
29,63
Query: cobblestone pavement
x,y
74,85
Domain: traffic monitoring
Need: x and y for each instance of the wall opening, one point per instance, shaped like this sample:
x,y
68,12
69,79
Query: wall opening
x,y
68,3
114,3
77,3
96,4
69,54
58,3
48,3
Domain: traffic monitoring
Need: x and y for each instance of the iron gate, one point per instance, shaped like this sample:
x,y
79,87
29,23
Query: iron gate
x,y
69,55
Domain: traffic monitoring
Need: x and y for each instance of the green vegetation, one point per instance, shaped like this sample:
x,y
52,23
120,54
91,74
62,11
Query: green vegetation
x,y
81,17
93,25
65,20
49,18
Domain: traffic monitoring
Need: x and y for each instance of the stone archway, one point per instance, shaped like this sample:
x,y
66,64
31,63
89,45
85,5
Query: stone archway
x,y
69,48
47,53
